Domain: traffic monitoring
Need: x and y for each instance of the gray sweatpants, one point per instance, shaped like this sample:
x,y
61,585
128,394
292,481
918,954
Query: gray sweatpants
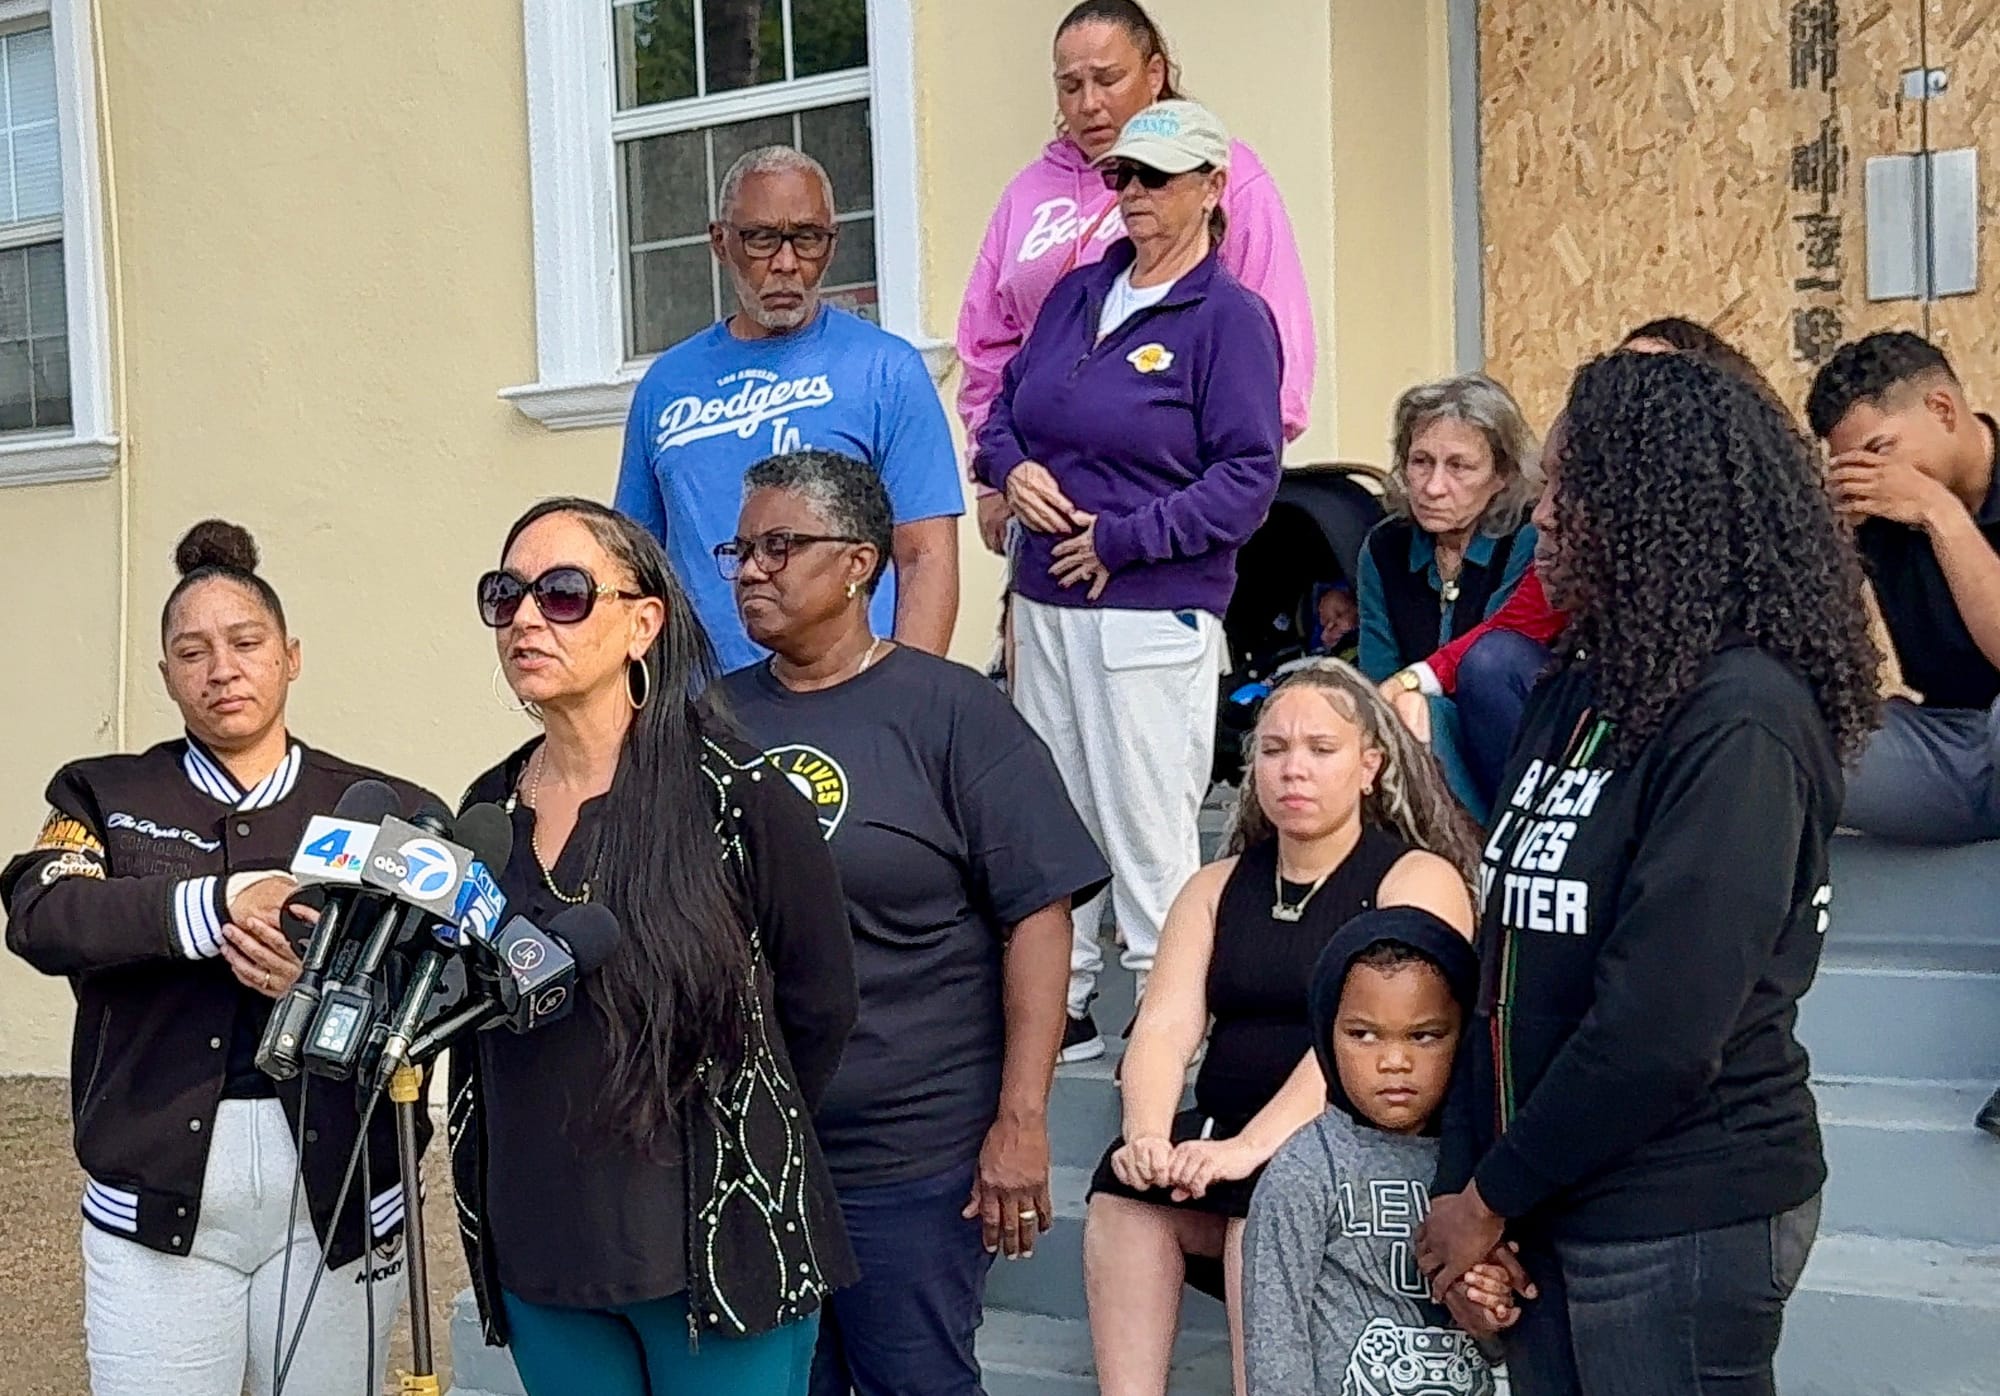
x,y
1931,775
203,1323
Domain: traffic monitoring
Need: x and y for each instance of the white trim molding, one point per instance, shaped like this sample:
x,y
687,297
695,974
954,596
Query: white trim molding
x,y
88,449
582,377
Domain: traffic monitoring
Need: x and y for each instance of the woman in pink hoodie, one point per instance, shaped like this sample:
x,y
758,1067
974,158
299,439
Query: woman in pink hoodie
x,y
1111,62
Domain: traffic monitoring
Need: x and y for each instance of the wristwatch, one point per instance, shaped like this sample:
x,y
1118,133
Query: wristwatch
x,y
1409,680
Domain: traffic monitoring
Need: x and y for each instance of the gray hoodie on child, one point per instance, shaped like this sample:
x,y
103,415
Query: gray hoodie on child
x,y
1333,1304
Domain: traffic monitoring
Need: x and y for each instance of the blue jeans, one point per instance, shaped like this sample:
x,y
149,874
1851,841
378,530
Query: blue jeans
x,y
642,1350
1931,775
1494,680
1693,1315
907,1328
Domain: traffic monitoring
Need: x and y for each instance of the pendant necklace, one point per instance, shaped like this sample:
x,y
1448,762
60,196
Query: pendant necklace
x,y
1288,912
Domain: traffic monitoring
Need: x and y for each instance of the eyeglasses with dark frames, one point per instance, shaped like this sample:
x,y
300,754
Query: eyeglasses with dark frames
x,y
564,595
811,242
770,550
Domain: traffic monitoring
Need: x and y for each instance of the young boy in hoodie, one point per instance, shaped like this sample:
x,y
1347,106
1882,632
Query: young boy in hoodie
x,y
1332,1299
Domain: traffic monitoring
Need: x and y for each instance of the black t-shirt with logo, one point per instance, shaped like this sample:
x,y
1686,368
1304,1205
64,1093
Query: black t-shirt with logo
x,y
949,823
1940,658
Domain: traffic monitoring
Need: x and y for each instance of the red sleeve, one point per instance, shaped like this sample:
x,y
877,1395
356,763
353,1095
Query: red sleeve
x,y
1527,612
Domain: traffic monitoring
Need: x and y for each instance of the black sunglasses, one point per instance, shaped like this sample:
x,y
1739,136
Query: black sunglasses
x,y
1117,176
771,550
564,596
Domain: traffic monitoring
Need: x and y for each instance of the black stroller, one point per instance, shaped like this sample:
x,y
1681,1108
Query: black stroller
x,y
1311,538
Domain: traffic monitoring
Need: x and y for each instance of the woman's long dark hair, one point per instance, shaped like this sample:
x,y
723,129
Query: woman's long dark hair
x,y
671,993
1689,507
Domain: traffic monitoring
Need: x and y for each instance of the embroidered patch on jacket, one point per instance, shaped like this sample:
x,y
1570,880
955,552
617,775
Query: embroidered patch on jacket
x,y
62,834
71,865
1151,358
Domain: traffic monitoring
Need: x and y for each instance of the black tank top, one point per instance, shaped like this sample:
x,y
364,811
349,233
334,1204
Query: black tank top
x,y
1260,968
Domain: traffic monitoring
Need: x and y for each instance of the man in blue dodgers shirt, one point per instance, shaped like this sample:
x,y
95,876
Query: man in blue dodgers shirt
x,y
783,373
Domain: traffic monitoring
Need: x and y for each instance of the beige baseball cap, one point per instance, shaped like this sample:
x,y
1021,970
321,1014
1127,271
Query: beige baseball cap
x,y
1175,136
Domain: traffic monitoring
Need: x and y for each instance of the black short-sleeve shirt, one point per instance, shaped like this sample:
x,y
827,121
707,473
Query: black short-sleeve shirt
x,y
1940,658
950,824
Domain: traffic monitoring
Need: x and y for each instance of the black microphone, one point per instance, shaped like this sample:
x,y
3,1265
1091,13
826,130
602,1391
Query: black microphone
x,y
415,865
489,834
328,866
577,942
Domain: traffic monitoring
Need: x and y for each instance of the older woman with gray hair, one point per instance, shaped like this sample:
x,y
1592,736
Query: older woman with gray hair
x,y
960,854
1464,476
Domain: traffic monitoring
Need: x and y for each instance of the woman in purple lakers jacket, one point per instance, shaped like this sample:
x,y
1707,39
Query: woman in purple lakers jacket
x,y
1137,438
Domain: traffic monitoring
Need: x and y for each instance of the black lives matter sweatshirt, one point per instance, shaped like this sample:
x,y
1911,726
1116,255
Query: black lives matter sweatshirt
x,y
1646,932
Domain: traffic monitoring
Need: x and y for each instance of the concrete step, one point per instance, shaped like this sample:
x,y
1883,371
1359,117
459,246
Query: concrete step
x,y
1889,1013
1878,1317
1904,1160
1028,1354
1051,1283
1886,893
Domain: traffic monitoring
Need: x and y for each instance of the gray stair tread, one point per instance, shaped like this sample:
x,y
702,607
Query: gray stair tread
x,y
1057,1351
1886,1103
1923,1272
1069,1189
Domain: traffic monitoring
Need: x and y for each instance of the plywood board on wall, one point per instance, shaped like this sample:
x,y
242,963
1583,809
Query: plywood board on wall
x,y
1963,38
1659,157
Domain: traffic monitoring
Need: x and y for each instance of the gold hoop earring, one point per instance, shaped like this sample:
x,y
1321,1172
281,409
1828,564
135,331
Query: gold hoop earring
x,y
645,689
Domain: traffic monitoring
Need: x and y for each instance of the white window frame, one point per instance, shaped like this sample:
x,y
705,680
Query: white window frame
x,y
583,377
87,448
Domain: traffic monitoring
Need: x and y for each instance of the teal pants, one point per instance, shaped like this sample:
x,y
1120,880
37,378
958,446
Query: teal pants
x,y
642,1350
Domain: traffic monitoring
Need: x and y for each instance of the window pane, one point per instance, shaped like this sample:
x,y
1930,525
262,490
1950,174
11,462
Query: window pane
x,y
828,36
743,43
666,186
34,164
17,393
850,281
742,137
655,43
48,312
673,295
49,359
838,138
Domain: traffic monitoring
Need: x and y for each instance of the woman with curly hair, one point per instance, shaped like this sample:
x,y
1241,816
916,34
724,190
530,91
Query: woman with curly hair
x,y
1632,1108
1344,812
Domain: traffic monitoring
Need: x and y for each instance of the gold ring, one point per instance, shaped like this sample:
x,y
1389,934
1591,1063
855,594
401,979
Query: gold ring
x,y
267,979
1031,1214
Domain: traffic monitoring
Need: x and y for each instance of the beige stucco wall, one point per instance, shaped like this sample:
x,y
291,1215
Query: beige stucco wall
x,y
322,215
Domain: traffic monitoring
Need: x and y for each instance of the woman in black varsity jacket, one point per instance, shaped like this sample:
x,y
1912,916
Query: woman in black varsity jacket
x,y
642,1199
155,888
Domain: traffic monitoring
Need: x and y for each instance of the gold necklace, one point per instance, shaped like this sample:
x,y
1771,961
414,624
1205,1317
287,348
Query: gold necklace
x,y
1281,910
538,762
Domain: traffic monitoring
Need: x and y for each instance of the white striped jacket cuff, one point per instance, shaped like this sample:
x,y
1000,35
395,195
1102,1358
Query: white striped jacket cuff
x,y
198,917
114,1209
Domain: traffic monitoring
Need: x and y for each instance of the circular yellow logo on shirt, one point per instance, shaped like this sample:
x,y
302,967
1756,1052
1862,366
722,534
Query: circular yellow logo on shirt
x,y
819,778
1151,358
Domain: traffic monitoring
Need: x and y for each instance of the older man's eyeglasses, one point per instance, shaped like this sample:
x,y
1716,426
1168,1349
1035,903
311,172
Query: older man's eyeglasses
x,y
811,242
564,596
770,550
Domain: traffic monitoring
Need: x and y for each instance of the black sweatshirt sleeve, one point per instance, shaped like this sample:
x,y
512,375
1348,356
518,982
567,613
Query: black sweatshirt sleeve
x,y
801,915
1708,893
67,913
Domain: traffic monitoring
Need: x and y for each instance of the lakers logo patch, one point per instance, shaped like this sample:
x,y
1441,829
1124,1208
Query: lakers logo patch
x,y
819,778
1151,358
62,834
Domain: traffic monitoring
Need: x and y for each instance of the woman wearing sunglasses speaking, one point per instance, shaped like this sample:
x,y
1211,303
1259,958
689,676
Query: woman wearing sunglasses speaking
x,y
960,855
155,888
1137,438
642,1200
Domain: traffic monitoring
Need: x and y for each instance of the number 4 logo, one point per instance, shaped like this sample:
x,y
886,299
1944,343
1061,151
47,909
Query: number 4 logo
x,y
329,849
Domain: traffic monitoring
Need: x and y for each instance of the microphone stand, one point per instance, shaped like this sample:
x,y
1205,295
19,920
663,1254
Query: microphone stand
x,y
406,1090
